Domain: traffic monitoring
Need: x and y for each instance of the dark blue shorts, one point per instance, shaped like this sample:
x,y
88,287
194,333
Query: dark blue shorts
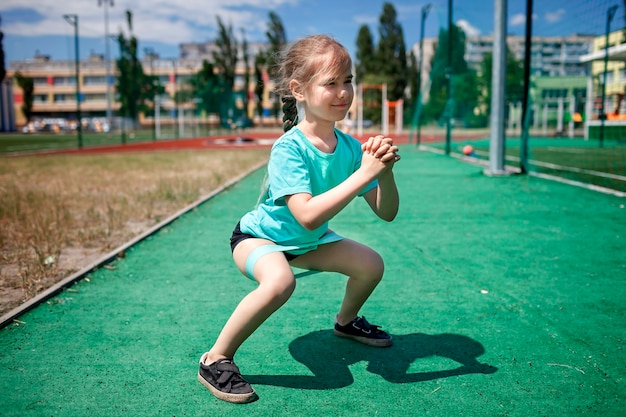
x,y
238,236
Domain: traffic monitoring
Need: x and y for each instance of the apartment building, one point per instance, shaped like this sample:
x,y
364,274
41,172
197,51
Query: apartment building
x,y
615,89
55,87
550,56
55,83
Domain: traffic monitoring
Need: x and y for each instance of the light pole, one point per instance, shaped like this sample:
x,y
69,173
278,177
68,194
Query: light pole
x,y
609,16
498,91
72,19
425,10
107,54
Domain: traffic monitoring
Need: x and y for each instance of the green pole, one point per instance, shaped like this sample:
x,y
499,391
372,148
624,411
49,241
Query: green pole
x,y
525,105
449,75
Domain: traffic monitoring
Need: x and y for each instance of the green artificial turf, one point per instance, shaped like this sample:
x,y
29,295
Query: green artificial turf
x,y
505,297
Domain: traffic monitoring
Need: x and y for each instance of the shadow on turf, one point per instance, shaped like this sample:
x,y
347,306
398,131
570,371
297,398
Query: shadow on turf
x,y
329,357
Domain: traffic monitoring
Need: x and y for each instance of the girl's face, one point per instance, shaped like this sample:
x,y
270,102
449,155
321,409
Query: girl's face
x,y
329,96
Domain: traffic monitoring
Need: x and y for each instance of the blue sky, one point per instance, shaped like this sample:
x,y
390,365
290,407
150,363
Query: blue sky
x,y
32,26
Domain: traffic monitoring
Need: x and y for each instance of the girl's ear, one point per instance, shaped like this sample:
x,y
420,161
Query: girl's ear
x,y
296,90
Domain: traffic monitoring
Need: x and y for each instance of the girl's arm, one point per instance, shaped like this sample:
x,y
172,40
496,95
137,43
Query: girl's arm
x,y
311,212
384,199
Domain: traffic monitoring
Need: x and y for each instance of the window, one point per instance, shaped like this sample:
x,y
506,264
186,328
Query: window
x,y
94,80
579,92
64,80
554,93
95,97
64,98
610,77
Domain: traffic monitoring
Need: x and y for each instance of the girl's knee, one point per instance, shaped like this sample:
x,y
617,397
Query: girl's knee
x,y
373,267
278,286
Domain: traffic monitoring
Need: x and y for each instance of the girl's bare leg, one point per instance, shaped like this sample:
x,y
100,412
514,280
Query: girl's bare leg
x,y
363,266
276,284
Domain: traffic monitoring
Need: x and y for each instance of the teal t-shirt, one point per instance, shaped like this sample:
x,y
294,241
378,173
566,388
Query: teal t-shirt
x,y
296,166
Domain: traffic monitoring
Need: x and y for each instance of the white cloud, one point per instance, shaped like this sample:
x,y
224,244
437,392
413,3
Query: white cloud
x,y
155,20
365,19
555,16
518,20
468,28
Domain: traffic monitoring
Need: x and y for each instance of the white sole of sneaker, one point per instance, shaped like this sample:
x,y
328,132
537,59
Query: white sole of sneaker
x,y
225,396
366,340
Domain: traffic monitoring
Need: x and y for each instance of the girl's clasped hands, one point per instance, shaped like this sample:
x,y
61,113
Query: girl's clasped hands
x,y
381,148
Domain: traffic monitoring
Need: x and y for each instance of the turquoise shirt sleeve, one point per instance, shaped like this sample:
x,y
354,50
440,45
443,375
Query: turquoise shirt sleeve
x,y
288,172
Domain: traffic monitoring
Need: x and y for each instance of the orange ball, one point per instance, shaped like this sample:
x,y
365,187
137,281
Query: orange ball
x,y
468,149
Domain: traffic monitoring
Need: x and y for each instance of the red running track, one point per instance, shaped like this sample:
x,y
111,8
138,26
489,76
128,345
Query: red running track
x,y
230,141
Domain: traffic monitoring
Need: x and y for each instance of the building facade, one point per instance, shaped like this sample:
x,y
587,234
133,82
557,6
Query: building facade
x,y
550,56
55,81
615,78
55,88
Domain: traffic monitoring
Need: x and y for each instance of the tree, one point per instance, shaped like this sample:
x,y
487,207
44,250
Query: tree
x,y
385,64
132,85
413,81
27,85
514,82
246,77
260,72
365,54
466,95
210,88
225,61
3,70
391,53
463,92
367,70
277,39
226,56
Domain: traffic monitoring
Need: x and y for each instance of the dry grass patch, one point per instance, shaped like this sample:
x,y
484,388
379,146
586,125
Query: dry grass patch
x,y
58,214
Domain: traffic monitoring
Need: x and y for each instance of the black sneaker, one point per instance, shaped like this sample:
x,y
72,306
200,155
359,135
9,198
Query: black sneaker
x,y
224,381
362,331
